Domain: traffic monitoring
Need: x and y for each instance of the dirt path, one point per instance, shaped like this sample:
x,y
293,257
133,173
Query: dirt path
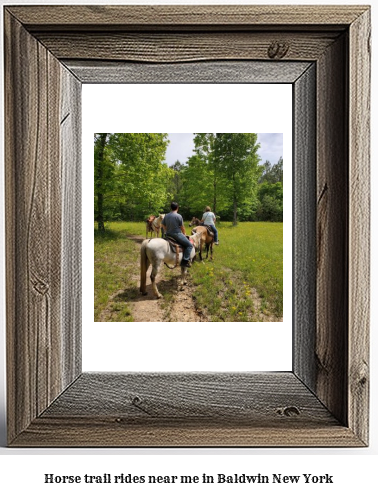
x,y
178,304
146,308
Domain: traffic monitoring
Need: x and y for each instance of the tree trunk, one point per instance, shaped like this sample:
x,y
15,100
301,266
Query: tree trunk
x,y
100,172
235,221
215,197
100,215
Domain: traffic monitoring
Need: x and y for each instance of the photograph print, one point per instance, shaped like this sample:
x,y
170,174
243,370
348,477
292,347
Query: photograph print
x,y
188,227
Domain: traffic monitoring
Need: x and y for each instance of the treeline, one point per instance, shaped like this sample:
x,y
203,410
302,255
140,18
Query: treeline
x,y
133,181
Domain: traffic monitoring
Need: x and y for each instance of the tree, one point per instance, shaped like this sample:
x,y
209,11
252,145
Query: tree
x,y
272,173
175,184
238,163
271,202
101,175
142,176
138,176
202,182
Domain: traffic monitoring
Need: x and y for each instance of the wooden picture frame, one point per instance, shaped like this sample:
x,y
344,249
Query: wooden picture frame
x,y
324,52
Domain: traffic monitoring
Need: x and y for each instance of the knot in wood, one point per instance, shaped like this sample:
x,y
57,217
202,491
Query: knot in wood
x,y
41,287
136,400
288,411
278,50
363,381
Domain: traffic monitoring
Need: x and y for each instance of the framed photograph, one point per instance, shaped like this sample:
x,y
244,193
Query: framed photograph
x,y
323,52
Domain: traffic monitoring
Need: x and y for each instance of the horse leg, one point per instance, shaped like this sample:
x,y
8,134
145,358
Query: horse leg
x,y
155,269
200,250
144,265
211,251
183,277
207,250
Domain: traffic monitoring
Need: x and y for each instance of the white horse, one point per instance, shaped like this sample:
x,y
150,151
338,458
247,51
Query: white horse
x,y
155,252
154,225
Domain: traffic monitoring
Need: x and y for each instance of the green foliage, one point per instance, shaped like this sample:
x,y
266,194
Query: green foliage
x,y
238,164
133,181
270,206
272,173
199,176
137,176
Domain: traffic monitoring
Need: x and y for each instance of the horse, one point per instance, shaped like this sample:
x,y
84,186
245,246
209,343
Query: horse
x,y
155,252
206,238
153,225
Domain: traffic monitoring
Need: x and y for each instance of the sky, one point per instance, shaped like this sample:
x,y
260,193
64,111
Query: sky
x,y
181,147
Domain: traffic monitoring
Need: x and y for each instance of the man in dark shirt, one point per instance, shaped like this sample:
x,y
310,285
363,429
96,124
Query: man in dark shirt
x,y
173,225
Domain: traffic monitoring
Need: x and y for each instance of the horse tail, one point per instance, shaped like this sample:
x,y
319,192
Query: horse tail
x,y
144,264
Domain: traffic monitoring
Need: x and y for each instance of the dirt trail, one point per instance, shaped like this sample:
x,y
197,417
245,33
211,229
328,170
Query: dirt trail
x,y
146,308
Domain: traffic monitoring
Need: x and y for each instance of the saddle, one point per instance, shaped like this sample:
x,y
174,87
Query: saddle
x,y
210,232
176,247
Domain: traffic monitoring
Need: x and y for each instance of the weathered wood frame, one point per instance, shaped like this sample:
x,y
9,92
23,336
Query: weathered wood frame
x,y
49,52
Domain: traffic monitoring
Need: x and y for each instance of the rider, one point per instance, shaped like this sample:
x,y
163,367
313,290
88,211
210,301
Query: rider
x,y
173,225
208,219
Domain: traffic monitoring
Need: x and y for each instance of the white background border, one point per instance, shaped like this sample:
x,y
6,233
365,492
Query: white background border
x,y
186,346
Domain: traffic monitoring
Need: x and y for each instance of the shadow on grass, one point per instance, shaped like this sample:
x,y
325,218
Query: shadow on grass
x,y
110,235
131,293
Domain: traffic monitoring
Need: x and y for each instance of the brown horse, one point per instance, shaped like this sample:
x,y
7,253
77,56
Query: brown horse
x,y
153,224
206,238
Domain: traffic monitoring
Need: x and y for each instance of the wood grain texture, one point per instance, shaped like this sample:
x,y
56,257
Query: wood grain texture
x,y
180,47
33,227
197,409
332,230
100,432
244,397
359,226
200,72
71,297
304,228
184,16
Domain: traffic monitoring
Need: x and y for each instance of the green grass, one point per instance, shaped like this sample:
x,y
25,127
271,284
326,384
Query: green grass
x,y
116,272
243,282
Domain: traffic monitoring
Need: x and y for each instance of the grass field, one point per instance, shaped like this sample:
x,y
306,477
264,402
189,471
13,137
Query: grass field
x,y
243,283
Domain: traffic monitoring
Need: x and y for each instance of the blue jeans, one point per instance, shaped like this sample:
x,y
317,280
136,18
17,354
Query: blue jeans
x,y
183,240
215,231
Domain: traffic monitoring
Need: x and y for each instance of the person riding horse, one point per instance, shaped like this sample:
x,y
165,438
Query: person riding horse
x,y
173,225
208,219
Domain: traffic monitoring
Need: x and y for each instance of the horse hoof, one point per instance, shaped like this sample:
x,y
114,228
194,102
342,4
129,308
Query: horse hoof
x,y
159,297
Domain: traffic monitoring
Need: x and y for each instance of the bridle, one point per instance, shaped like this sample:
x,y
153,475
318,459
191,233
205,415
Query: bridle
x,y
194,222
